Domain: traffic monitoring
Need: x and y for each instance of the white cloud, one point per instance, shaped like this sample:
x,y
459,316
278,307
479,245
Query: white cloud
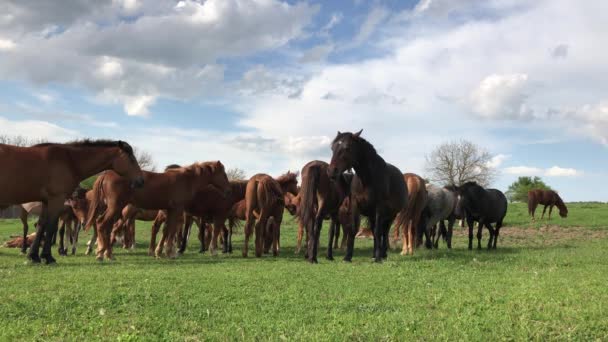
x,y
136,62
35,129
501,97
7,44
497,160
554,171
375,17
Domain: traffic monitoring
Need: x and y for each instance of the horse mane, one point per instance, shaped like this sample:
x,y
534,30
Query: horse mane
x,y
172,166
287,178
212,165
92,143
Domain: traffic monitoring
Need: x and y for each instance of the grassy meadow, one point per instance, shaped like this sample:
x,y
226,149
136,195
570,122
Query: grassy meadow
x,y
547,281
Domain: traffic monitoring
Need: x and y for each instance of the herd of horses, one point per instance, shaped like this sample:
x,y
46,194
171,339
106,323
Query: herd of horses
x,y
42,178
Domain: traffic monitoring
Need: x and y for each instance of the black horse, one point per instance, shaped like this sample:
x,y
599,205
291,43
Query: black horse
x,y
485,206
378,190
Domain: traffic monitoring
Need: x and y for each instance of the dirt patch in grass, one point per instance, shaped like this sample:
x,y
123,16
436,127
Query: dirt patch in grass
x,y
547,235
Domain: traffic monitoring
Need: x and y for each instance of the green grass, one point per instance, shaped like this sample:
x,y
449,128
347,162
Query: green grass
x,y
543,283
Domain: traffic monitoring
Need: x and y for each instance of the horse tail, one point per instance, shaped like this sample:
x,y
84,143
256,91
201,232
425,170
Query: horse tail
x,y
308,190
531,201
405,214
96,201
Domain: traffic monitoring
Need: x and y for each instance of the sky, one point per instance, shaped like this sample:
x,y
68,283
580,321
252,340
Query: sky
x,y
264,85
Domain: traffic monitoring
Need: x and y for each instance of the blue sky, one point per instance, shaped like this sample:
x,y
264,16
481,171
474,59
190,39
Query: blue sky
x,y
265,84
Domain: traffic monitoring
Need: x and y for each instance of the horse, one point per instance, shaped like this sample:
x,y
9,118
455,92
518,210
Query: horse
x,y
380,194
264,202
320,197
440,206
548,198
49,172
485,206
213,207
172,190
408,219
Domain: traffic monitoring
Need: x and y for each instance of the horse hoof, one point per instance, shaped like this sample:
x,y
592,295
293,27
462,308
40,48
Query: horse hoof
x,y
99,259
151,253
348,260
34,259
330,258
49,260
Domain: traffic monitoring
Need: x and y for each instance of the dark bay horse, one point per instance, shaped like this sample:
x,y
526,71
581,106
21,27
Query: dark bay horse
x,y
485,206
408,219
381,194
320,196
548,198
172,190
50,172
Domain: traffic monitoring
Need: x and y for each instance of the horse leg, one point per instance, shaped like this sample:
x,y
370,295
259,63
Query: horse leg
x,y
405,237
33,253
91,242
54,208
299,237
479,231
449,233
378,233
492,234
158,250
75,235
332,233
226,235
154,231
550,210
185,235
23,217
173,220
470,223
385,239
336,233
61,238
544,210
496,232
104,229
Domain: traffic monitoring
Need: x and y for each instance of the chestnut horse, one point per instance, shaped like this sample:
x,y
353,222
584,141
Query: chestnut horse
x,y
172,190
126,224
408,219
50,172
320,196
264,200
213,207
380,193
548,198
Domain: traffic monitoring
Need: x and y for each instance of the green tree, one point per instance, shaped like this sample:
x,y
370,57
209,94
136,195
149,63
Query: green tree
x,y
88,183
518,191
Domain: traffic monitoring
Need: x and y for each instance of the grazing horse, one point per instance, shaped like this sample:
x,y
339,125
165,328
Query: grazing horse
x,y
212,206
408,219
485,206
548,198
320,196
380,194
50,172
440,206
172,190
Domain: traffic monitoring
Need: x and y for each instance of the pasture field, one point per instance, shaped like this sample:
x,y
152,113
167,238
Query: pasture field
x,y
546,281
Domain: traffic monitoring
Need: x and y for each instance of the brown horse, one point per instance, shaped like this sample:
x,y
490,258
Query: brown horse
x,y
380,192
50,172
548,198
172,190
264,198
213,207
320,197
409,218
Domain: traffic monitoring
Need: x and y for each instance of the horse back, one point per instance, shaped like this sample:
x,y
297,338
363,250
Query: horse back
x,y
497,205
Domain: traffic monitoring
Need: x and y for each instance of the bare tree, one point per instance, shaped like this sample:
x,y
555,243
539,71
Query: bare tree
x,y
235,174
19,140
144,159
459,162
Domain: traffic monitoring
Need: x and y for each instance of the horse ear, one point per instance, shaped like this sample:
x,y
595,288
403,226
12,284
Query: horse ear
x,y
339,133
358,134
